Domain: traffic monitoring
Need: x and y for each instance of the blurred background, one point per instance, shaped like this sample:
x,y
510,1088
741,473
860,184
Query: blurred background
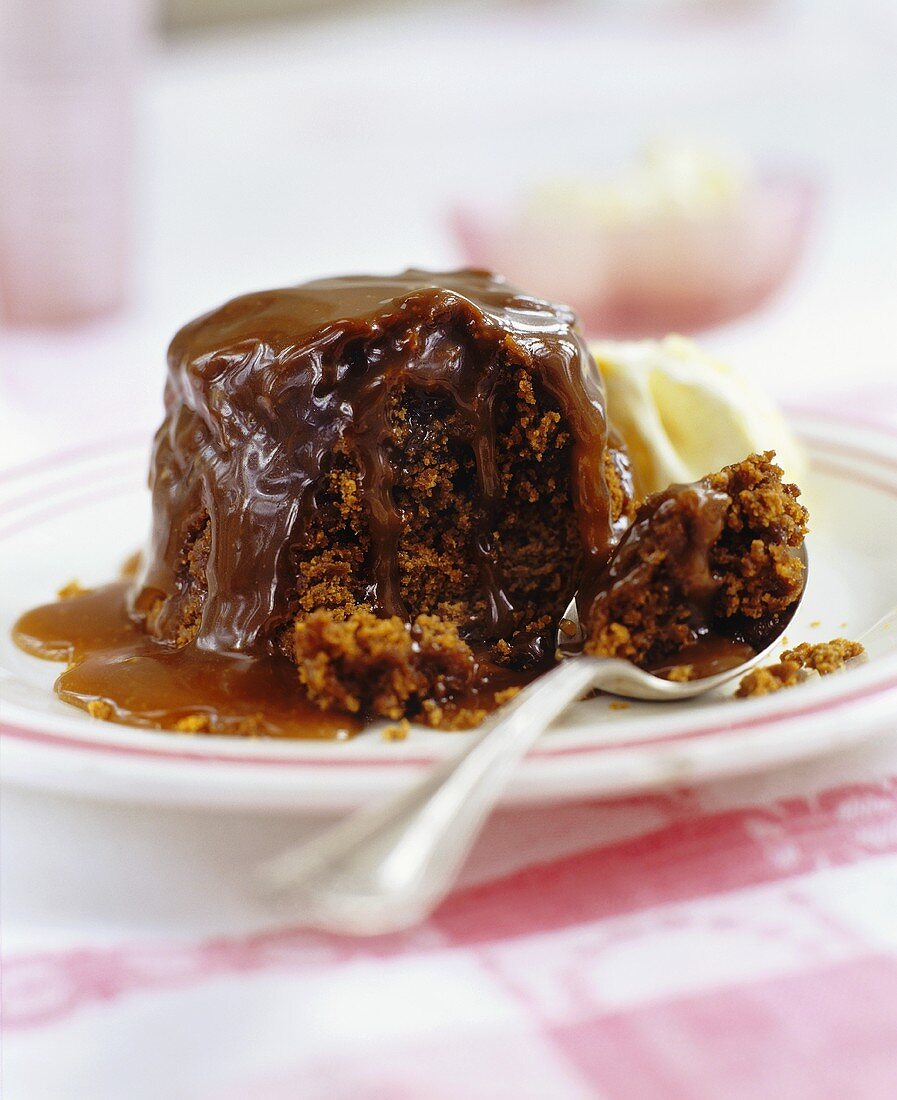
x,y
726,168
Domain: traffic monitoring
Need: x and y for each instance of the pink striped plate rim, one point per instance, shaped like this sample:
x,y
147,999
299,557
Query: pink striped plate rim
x,y
851,460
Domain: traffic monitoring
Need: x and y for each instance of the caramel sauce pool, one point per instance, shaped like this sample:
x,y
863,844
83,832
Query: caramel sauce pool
x,y
118,672
708,656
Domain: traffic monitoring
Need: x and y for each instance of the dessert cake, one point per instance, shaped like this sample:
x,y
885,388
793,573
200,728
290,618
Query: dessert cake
x,y
432,444
393,486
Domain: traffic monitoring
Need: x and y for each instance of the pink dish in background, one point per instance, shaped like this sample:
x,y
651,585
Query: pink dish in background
x,y
68,83
665,269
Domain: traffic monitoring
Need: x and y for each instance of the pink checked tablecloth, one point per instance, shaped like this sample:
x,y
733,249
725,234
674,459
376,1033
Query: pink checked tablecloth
x,y
733,940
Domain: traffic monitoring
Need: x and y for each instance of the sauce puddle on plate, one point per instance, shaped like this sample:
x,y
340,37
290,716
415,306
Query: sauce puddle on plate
x,y
118,672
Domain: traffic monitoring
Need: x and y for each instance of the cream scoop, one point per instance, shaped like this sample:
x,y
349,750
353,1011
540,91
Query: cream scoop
x,y
682,412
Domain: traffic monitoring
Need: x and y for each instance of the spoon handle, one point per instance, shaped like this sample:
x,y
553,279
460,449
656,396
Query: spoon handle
x,y
388,866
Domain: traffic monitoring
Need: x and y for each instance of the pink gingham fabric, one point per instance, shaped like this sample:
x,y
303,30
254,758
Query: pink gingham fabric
x,y
734,941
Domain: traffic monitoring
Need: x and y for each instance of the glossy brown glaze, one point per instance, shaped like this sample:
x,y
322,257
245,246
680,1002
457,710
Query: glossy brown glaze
x,y
687,558
264,390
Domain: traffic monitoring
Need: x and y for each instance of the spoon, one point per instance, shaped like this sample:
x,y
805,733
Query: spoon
x,y
388,866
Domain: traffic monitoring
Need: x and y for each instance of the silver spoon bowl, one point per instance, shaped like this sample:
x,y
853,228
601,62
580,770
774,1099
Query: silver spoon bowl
x,y
388,866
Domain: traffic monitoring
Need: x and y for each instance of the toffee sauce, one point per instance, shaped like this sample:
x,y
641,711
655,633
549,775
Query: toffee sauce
x,y
717,644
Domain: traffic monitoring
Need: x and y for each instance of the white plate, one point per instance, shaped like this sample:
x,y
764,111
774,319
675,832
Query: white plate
x,y
79,515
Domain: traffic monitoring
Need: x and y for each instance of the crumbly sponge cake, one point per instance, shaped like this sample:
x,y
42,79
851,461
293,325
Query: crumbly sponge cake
x,y
368,665
790,669
715,557
429,450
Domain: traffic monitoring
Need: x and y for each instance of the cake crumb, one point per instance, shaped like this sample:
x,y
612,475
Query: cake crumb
x,y
99,708
815,624
618,704
398,731
763,681
193,723
253,725
791,668
432,713
464,718
72,589
506,695
825,657
681,674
